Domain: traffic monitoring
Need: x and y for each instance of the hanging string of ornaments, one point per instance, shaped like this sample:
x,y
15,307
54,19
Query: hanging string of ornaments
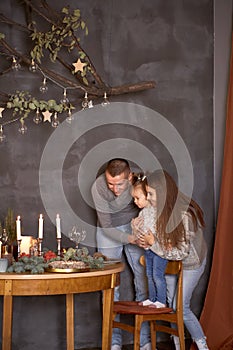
x,y
23,102
81,76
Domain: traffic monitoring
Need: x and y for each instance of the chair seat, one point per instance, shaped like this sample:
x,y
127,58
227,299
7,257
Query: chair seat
x,y
133,308
160,319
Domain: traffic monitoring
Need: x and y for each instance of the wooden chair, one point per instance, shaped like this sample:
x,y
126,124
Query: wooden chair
x,y
153,315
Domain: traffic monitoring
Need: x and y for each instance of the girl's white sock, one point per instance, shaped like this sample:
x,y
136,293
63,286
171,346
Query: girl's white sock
x,y
201,344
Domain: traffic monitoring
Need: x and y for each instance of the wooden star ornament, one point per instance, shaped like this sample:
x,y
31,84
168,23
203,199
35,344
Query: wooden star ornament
x,y
47,116
1,110
78,66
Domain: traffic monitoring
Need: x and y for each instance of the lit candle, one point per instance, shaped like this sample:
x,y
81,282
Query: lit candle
x,y
18,228
58,224
41,220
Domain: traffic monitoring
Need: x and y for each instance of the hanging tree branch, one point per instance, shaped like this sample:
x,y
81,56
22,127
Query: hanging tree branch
x,y
59,39
65,35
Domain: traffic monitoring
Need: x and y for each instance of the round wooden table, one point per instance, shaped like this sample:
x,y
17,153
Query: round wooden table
x,y
12,284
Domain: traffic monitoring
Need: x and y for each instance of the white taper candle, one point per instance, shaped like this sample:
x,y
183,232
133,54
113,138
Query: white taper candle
x,y
58,224
41,221
18,228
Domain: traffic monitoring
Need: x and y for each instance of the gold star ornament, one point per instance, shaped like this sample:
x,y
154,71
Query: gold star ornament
x,y
78,66
47,116
1,110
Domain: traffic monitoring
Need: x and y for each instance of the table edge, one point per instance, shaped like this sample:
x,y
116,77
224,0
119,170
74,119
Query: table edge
x,y
107,270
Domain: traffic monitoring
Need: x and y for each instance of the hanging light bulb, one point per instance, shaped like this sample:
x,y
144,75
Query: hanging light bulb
x,y
37,118
105,100
15,65
64,99
55,121
44,87
23,128
2,136
69,118
85,101
32,66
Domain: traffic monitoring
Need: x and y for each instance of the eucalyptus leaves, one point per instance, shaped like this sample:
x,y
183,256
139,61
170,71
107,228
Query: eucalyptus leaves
x,y
23,103
61,35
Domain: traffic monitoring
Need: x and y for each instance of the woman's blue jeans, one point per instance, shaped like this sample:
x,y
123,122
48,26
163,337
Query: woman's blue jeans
x,y
190,281
113,249
155,271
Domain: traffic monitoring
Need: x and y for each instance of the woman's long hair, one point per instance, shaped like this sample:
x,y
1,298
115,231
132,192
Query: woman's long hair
x,y
171,206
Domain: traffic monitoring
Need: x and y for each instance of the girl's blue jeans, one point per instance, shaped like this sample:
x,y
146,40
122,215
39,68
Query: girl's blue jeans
x,y
155,271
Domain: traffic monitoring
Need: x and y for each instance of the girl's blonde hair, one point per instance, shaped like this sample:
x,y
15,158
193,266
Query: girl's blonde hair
x,y
140,180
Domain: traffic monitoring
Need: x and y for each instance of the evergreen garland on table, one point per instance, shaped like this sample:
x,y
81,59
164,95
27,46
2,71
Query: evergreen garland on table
x,y
38,264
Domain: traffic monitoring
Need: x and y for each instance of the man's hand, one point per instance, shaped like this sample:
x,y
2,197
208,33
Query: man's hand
x,y
146,240
133,239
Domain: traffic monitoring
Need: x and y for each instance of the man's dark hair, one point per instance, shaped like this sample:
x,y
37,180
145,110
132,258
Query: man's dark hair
x,y
118,166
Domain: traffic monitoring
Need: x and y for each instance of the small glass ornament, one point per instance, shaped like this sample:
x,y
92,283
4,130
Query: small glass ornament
x,y
105,100
69,118
44,87
55,121
15,64
32,66
37,118
85,101
2,135
64,100
23,128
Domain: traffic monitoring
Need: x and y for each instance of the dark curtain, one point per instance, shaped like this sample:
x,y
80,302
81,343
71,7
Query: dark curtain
x,y
217,314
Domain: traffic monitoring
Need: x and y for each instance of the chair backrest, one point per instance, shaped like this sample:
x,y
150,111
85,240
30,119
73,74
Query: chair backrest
x,y
176,268
173,267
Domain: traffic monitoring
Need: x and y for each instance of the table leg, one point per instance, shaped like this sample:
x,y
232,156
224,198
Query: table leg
x,y
7,322
70,321
108,296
